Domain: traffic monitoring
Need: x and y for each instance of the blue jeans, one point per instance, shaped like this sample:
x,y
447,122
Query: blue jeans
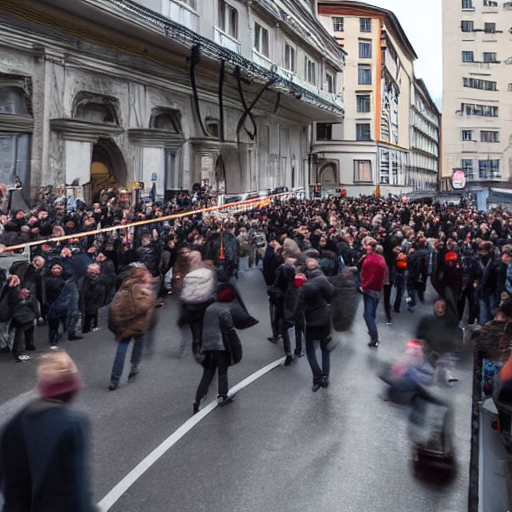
x,y
370,312
122,348
487,306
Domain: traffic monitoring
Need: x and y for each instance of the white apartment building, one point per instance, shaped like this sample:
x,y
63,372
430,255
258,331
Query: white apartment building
x,y
477,90
105,93
390,135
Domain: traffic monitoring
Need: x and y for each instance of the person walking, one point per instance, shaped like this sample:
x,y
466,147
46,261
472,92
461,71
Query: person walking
x,y
218,321
44,448
314,307
373,275
129,316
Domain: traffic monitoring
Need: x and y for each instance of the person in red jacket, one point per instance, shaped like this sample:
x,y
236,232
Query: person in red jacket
x,y
373,274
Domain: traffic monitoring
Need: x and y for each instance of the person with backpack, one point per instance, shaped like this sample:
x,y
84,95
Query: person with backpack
x,y
25,312
129,316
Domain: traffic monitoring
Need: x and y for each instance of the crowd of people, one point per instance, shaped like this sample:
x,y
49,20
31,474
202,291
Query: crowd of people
x,y
317,257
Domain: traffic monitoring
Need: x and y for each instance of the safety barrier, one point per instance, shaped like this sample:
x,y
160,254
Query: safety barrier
x,y
231,208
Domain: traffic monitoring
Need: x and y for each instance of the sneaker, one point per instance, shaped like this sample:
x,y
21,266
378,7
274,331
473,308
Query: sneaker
x,y
389,322
54,348
113,385
325,381
95,329
316,386
225,399
133,374
75,336
373,343
23,358
289,360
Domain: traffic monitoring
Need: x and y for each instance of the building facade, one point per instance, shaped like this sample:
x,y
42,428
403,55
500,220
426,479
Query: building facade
x,y
105,93
477,90
389,117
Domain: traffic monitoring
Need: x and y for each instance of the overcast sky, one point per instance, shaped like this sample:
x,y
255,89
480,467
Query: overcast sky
x,y
421,21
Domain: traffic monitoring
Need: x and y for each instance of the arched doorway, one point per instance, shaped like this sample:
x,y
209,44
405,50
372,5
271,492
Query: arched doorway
x,y
328,175
108,168
220,176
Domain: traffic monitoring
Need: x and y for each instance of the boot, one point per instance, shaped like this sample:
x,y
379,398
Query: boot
x,y
133,373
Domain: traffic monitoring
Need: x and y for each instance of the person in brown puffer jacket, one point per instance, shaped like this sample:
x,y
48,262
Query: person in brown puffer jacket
x,y
129,317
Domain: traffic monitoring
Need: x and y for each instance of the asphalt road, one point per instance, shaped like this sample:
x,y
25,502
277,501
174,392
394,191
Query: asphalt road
x,y
279,447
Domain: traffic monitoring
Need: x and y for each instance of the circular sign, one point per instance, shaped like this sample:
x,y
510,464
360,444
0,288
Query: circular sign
x,y
458,179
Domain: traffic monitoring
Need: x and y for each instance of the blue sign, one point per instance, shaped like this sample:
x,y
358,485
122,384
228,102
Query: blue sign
x,y
153,177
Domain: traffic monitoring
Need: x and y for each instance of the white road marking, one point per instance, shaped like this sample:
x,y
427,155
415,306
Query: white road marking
x,y
113,496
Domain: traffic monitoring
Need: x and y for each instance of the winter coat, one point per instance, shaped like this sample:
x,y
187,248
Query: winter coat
x,y
287,299
314,299
43,460
131,309
216,318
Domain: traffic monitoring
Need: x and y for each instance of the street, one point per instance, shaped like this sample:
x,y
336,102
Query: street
x,y
279,446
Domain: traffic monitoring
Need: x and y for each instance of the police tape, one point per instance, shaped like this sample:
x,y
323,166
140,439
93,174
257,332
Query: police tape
x,y
259,202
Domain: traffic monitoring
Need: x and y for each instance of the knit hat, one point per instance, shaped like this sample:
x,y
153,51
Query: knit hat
x,y
226,294
451,256
57,375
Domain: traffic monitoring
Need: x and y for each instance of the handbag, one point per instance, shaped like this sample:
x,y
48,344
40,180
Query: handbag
x,y
233,345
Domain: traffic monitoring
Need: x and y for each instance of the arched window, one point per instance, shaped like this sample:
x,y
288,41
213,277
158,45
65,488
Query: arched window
x,y
328,174
12,101
96,108
166,119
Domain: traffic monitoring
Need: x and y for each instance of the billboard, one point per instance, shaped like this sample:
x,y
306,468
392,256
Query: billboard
x,y
458,179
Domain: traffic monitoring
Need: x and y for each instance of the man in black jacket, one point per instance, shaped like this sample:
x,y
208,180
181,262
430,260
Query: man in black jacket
x,y
314,305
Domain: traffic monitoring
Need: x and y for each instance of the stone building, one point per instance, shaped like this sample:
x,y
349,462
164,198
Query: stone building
x,y
105,93
388,111
477,91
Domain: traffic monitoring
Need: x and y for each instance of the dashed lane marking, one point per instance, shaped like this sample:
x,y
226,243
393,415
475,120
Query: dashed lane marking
x,y
113,496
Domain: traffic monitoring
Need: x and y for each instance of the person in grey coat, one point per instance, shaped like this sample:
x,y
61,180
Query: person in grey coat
x,y
314,305
217,318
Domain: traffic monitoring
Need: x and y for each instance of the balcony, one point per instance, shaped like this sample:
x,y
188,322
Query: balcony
x,y
181,13
261,60
226,41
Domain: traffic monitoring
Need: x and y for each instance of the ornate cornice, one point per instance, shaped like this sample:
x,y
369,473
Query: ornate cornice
x,y
16,123
182,35
84,131
151,137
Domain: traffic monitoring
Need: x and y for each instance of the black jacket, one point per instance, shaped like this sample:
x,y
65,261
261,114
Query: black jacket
x,y
314,300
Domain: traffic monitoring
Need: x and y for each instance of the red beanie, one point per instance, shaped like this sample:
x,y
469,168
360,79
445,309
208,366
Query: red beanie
x,y
226,295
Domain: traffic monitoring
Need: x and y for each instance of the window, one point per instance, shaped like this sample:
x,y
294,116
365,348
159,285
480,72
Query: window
x,y
365,24
467,57
476,83
323,131
310,70
363,131
289,57
363,103
479,110
467,4
490,28
329,83
365,49
489,136
166,119
364,74
228,19
467,166
337,24
213,127
467,26
261,40
490,3
363,170
488,169
490,57
466,135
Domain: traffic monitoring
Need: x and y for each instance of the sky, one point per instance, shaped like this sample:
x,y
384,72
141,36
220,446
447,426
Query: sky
x,y
421,21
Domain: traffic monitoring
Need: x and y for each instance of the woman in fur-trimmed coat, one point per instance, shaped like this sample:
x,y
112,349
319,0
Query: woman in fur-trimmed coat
x,y
129,317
